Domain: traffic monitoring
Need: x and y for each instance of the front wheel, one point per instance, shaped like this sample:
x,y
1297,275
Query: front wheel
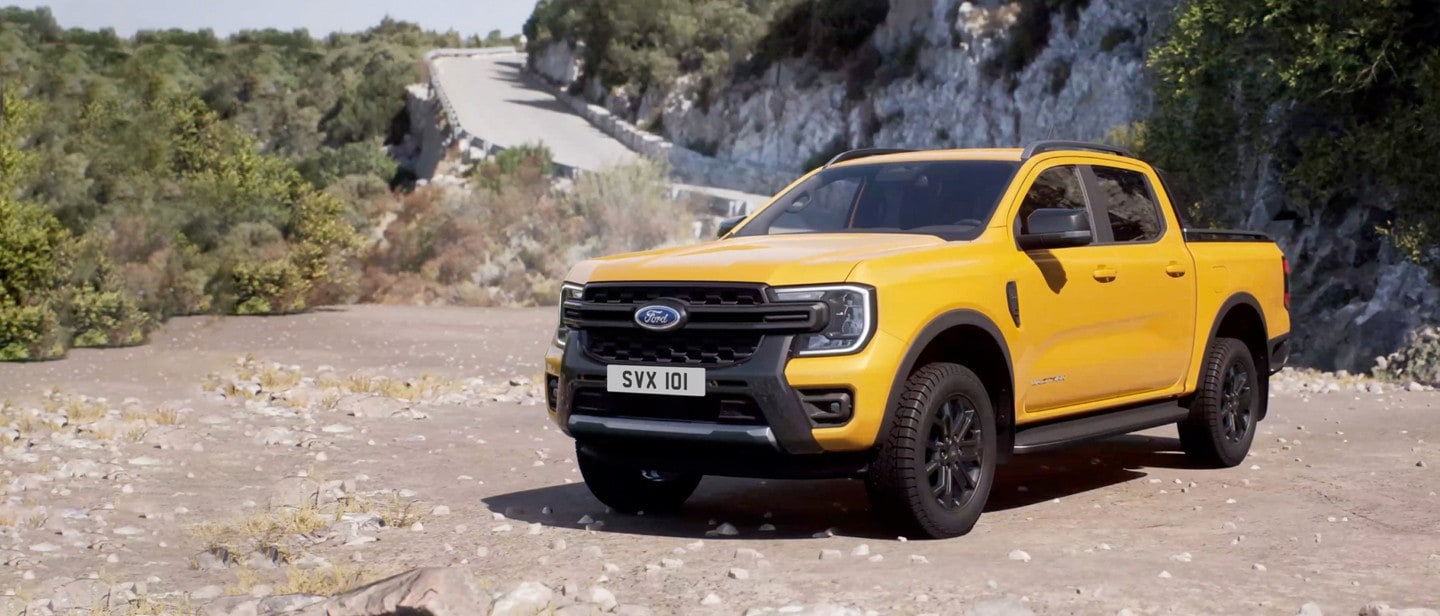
x,y
1227,406
933,471
634,490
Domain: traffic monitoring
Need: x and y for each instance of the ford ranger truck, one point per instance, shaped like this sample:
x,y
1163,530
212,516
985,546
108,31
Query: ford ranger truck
x,y
916,318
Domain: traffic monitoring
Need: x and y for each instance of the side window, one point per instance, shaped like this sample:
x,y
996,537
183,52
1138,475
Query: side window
x,y
1056,187
1134,215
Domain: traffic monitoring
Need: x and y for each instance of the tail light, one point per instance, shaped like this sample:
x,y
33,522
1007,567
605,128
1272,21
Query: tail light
x,y
1285,266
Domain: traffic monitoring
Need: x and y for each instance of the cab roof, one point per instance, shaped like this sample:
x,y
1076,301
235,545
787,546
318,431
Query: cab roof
x,y
1007,154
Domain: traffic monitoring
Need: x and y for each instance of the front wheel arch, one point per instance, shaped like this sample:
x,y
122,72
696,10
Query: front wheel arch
x,y
971,339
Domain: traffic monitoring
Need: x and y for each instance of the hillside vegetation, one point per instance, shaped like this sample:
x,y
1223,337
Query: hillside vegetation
x,y
635,45
1345,94
177,173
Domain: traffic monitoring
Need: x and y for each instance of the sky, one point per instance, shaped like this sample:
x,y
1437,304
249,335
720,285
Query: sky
x,y
319,16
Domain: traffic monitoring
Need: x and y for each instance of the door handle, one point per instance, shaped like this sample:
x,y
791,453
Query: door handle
x,y
1175,270
1104,274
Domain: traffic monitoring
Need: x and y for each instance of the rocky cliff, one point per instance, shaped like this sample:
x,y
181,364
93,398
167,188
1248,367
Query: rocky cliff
x,y
953,73
942,76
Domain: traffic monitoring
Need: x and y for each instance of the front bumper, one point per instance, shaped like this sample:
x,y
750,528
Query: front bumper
x,y
786,428
776,439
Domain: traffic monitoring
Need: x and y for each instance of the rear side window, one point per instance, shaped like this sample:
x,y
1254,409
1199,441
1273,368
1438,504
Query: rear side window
x,y
1056,187
1134,214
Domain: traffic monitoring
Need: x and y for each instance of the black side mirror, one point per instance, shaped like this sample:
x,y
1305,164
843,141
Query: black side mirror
x,y
1056,228
728,225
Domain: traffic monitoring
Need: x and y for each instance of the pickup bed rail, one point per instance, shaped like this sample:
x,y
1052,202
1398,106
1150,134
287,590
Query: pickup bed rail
x,y
1225,235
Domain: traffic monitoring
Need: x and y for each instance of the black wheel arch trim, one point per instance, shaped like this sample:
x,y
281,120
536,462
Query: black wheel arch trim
x,y
1005,422
1262,364
1239,299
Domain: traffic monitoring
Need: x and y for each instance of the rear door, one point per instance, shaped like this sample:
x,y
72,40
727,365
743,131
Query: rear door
x,y
1154,286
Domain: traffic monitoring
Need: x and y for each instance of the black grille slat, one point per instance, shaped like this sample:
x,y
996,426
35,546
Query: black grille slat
x,y
722,408
679,348
695,295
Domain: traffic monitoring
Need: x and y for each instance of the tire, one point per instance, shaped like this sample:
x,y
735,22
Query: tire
x,y
633,490
1228,404
906,483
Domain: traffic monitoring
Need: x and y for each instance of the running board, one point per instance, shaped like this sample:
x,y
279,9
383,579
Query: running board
x,y
1058,434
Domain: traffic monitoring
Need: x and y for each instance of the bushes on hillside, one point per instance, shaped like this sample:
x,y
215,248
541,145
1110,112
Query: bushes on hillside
x,y
1345,94
147,204
509,243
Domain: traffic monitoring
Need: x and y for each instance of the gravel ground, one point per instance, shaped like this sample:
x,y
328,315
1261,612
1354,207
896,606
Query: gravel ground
x,y
236,459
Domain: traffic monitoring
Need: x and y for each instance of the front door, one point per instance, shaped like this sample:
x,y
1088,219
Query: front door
x,y
1066,310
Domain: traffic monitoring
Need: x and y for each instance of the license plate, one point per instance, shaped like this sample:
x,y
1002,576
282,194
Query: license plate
x,y
659,381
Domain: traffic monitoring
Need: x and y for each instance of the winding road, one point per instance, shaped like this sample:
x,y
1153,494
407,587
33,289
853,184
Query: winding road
x,y
494,99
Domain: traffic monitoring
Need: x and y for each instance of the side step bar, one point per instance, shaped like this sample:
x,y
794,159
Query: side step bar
x,y
1058,434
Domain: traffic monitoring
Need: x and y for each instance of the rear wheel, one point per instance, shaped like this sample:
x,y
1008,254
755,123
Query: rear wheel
x,y
1227,406
633,490
933,471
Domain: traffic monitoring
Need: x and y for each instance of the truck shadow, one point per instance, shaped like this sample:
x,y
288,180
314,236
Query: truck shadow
x,y
801,509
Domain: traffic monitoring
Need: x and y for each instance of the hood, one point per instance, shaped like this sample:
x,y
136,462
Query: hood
x,y
771,259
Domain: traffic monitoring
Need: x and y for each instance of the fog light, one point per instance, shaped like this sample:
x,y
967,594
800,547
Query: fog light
x,y
828,407
552,391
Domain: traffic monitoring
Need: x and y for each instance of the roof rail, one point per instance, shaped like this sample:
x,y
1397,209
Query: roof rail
x,y
862,153
1052,145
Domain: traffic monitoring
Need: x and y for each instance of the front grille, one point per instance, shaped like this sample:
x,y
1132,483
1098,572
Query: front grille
x,y
723,408
707,348
695,295
727,323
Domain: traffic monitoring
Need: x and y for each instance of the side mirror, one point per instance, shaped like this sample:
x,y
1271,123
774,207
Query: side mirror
x,y
728,225
1056,228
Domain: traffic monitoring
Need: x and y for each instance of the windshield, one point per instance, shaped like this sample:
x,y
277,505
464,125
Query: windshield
x,y
952,199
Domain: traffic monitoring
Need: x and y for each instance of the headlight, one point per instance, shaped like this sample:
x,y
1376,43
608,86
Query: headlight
x,y
567,292
852,318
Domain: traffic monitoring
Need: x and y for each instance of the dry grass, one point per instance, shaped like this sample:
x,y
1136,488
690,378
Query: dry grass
x,y
400,513
323,582
261,530
37,520
245,581
26,422
163,416
412,389
329,401
275,377
80,410
146,607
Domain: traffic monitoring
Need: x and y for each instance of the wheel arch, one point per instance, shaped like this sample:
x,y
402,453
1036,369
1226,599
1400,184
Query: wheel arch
x,y
971,339
1241,317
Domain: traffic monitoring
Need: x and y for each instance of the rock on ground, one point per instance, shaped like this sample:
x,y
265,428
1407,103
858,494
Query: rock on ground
x,y
999,607
437,591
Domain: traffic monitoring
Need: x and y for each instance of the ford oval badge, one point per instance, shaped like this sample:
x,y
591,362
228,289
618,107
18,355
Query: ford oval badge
x,y
658,317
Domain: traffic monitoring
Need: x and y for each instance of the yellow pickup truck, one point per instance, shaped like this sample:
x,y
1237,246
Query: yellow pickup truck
x,y
915,318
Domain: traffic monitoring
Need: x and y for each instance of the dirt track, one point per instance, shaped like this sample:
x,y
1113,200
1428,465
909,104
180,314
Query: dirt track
x,y
1333,507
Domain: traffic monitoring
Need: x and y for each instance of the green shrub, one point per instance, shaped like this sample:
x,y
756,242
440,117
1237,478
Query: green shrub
x,y
30,332
531,160
270,287
329,165
107,319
